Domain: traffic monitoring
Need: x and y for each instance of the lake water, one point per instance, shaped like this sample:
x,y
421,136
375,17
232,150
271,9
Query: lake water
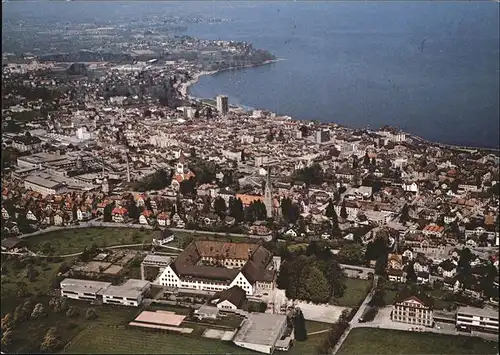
x,y
431,68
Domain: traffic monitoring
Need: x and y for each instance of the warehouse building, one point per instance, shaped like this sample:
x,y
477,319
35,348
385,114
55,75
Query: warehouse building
x,y
478,319
131,293
262,332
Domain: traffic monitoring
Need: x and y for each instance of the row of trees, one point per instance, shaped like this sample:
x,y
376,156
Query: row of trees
x,y
30,312
313,276
256,211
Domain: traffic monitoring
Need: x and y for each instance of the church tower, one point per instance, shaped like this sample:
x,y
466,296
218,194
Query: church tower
x,y
105,186
182,166
268,195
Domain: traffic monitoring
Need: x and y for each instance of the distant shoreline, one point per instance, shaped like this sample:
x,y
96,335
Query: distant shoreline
x,y
184,90
184,87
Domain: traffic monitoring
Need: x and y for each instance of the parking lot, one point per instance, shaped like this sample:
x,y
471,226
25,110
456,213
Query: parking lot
x,y
320,312
383,320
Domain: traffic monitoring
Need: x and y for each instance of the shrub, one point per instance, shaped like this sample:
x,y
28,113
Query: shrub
x,y
52,341
6,339
73,312
38,311
7,322
58,304
91,313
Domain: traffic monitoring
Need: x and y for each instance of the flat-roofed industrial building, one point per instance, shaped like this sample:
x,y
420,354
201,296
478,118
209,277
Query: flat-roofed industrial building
x,y
43,186
261,332
479,319
86,290
131,293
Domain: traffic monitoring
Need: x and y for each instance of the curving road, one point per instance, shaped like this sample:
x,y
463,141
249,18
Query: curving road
x,y
120,246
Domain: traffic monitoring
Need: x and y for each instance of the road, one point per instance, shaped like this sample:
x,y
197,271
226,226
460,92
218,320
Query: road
x,y
79,253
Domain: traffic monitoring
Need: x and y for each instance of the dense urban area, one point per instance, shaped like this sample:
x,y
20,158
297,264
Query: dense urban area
x,y
135,216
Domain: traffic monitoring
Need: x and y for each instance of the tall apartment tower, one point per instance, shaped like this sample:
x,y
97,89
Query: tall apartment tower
x,y
222,104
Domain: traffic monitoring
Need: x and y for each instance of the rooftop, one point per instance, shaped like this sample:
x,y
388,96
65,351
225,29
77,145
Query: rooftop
x,y
81,286
157,259
261,328
37,180
131,289
481,312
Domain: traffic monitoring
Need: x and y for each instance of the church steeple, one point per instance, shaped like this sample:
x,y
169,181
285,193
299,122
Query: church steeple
x,y
268,195
182,166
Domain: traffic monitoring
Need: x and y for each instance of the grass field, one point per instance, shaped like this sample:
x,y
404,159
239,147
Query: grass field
x,y
74,240
305,347
313,326
382,341
125,340
355,293
68,327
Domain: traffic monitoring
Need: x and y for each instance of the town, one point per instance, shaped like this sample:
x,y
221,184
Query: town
x,y
135,216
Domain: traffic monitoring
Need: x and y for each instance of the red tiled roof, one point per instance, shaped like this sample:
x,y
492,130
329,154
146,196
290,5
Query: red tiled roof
x,y
248,199
119,210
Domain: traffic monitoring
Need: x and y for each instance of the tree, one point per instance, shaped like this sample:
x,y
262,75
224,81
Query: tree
x,y
74,213
220,207
22,290
7,322
38,311
28,308
366,159
343,211
411,276
31,273
332,215
293,213
52,341
405,216
20,314
256,211
188,187
464,268
311,175
378,299
488,281
6,339
47,248
270,136
286,203
107,213
59,305
315,287
351,254
72,312
209,112
236,210
336,278
299,329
